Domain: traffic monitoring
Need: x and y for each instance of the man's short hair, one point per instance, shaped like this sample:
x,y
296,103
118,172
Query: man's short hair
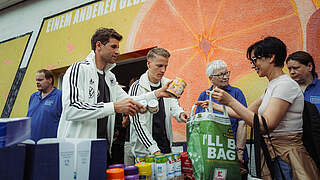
x,y
103,35
215,65
153,53
47,74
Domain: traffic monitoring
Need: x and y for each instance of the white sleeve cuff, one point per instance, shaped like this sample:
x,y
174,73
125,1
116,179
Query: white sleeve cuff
x,y
153,148
108,108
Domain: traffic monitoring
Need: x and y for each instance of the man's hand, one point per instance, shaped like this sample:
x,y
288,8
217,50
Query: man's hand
x,y
162,92
157,152
127,106
125,121
184,116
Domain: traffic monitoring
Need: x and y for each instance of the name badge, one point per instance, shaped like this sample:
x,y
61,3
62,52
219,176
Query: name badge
x,y
48,102
315,99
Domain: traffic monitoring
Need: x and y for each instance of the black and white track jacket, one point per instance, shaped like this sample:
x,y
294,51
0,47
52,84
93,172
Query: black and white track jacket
x,y
79,100
141,124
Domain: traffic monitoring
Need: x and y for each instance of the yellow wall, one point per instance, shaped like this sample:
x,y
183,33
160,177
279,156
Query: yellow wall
x,y
62,46
11,53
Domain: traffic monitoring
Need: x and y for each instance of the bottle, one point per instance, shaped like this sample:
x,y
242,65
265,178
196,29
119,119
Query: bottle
x,y
131,173
117,166
115,174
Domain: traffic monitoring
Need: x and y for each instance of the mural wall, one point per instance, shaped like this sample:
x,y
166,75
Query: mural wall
x,y
194,31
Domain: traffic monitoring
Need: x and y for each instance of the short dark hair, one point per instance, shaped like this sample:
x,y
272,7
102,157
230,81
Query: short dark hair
x,y
303,58
158,52
267,47
103,35
47,74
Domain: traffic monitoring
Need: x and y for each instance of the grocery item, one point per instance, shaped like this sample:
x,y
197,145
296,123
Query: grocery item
x,y
177,86
151,159
117,166
170,165
140,158
177,164
131,173
145,170
153,106
145,106
161,167
115,174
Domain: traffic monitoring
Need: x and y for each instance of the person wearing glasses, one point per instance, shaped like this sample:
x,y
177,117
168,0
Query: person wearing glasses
x,y
282,107
219,75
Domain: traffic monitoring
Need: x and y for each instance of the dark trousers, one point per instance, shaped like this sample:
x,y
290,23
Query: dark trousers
x,y
117,155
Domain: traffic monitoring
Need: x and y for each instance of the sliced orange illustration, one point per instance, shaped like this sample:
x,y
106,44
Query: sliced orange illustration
x,y
316,3
199,31
313,38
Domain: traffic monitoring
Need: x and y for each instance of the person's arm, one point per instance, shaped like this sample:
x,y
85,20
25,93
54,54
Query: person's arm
x,y
176,111
241,130
202,97
129,105
218,107
59,104
241,139
29,106
139,122
275,110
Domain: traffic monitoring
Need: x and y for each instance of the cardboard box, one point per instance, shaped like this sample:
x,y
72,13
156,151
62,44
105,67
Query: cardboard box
x,y
12,162
53,159
14,130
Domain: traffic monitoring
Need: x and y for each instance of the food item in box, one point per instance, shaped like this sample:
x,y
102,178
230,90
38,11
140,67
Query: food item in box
x,y
186,164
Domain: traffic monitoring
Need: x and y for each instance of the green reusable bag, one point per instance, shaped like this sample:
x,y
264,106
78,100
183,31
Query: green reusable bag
x,y
211,146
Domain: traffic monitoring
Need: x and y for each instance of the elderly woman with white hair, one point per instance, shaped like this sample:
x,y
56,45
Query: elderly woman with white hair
x,y
218,74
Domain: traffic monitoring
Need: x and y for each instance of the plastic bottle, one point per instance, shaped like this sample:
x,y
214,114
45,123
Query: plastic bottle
x,y
122,166
115,174
131,172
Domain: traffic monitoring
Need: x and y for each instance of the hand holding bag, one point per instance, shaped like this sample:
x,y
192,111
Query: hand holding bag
x,y
211,146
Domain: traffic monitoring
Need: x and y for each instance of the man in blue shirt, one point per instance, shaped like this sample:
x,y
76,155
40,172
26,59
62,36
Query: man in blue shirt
x,y
219,77
302,69
45,107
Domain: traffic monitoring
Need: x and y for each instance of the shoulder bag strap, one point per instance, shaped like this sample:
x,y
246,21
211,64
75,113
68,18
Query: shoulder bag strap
x,y
257,145
267,154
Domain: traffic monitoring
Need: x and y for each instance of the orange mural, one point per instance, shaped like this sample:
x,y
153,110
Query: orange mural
x,y
316,3
199,31
313,38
